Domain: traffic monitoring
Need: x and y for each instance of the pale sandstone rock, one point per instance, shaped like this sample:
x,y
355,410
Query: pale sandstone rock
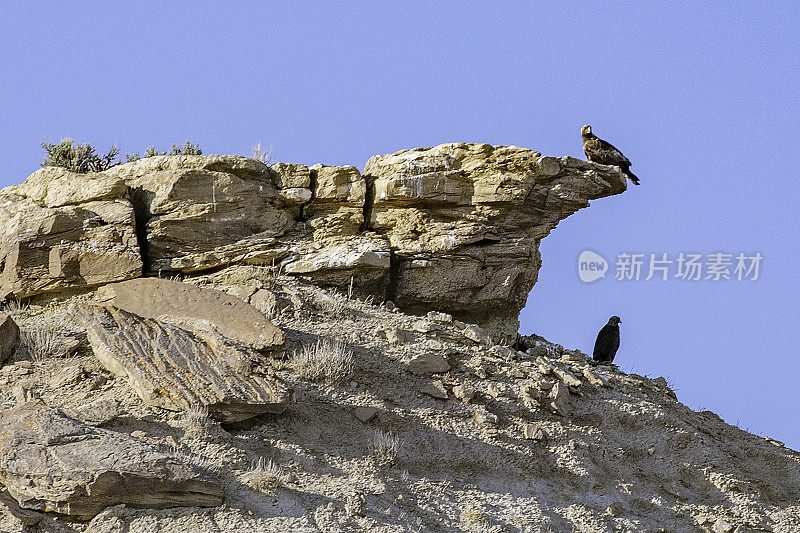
x,y
194,307
62,230
465,220
365,414
560,403
396,335
55,463
453,229
428,363
435,389
464,392
534,431
200,212
96,413
174,369
26,517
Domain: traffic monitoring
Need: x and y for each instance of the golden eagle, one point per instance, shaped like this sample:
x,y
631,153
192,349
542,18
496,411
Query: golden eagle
x,y
607,343
599,151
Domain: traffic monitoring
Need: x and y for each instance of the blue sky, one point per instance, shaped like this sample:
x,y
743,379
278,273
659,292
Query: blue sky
x,y
703,99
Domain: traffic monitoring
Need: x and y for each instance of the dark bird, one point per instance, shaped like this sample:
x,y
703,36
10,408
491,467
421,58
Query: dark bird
x,y
607,343
599,151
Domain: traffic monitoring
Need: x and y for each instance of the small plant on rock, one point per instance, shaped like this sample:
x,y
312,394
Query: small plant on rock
x,y
39,342
475,517
196,423
385,447
263,154
266,476
326,359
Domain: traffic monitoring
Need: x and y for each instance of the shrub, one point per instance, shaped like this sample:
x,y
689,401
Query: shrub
x,y
78,157
187,149
39,342
262,154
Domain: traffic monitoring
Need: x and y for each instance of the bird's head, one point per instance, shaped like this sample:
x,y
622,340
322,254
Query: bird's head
x,y
614,320
586,130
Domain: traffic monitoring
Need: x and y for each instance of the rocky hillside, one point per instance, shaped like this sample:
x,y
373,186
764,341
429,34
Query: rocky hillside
x,y
206,344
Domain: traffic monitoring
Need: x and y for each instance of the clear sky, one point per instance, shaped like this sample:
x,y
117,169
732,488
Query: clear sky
x,y
702,97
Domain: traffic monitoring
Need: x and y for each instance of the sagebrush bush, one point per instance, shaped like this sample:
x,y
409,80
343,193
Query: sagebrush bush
x,y
83,158
78,157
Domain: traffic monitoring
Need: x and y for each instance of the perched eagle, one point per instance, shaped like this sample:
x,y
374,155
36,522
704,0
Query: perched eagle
x,y
599,151
607,343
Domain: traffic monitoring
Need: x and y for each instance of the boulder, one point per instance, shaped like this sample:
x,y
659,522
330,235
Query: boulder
x,y
51,462
175,369
195,308
9,337
428,363
62,230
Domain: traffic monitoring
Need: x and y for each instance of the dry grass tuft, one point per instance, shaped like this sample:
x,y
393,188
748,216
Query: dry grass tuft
x,y
39,342
385,447
266,476
196,423
326,359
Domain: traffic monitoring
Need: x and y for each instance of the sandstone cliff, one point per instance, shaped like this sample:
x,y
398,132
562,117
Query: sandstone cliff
x,y
454,228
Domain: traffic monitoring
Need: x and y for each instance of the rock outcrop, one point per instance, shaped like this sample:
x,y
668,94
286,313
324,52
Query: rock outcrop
x,y
60,230
453,228
175,369
52,463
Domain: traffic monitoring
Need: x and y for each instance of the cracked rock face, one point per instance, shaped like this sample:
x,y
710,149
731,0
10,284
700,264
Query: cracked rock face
x,y
453,228
49,462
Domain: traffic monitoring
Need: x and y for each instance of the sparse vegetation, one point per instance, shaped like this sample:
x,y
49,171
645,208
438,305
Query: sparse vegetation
x,y
83,158
39,342
187,149
333,304
196,423
266,476
325,359
78,157
385,447
262,154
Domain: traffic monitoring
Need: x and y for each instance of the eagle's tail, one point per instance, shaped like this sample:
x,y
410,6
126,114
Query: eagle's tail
x,y
632,177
